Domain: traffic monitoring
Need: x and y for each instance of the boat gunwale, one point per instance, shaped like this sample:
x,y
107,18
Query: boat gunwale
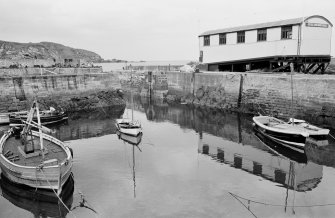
x,y
45,136
305,133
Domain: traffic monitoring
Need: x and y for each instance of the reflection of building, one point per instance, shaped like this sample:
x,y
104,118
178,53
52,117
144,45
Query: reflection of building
x,y
291,174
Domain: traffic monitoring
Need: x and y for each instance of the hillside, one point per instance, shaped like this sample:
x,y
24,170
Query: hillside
x,y
43,50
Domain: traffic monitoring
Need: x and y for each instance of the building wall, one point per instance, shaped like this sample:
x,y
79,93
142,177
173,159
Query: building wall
x,y
316,40
233,51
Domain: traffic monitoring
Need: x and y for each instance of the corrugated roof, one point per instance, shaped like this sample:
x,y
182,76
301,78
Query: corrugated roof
x,y
255,26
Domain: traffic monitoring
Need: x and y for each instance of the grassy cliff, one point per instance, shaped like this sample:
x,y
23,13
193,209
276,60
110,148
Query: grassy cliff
x,y
44,50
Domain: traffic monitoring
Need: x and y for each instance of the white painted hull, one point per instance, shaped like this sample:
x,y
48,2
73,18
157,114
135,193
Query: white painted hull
x,y
36,177
275,125
128,127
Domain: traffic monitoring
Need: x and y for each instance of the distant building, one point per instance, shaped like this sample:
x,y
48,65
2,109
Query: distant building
x,y
273,46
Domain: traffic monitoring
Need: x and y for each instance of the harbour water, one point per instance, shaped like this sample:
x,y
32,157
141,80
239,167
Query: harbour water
x,y
191,162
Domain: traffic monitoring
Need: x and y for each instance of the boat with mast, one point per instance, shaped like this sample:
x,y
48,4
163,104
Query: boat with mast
x,y
34,158
292,133
129,126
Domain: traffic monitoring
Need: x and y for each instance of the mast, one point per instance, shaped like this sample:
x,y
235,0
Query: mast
x,y
292,111
134,171
39,129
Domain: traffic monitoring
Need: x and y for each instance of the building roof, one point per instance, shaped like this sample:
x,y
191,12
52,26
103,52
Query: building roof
x,y
262,25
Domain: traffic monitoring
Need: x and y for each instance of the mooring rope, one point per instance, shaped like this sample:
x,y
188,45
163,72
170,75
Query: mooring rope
x,y
281,205
243,204
82,196
332,136
57,194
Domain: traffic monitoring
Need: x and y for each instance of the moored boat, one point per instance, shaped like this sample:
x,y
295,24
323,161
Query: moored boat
x,y
128,127
292,133
47,117
34,158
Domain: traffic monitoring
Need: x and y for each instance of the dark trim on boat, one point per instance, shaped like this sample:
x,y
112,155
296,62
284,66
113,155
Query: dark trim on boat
x,y
281,148
45,120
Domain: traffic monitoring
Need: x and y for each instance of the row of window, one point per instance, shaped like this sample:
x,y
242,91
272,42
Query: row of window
x,y
286,33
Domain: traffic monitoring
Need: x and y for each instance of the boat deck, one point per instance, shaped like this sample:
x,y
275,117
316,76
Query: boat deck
x,y
11,148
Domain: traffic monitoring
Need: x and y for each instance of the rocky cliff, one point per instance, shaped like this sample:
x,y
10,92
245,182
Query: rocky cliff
x,y
44,50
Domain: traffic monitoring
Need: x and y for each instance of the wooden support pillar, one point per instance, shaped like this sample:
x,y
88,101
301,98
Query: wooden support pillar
x,y
318,68
232,68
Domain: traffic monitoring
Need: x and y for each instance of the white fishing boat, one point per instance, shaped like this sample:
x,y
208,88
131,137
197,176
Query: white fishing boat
x,y
294,132
34,158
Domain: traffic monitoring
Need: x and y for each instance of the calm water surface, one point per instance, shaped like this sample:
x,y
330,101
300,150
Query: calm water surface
x,y
189,163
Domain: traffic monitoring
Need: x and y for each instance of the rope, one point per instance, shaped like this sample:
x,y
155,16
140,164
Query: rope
x,y
331,136
82,196
243,204
57,194
282,205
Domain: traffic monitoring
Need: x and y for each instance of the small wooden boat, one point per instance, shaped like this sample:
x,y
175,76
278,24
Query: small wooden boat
x,y
47,117
128,127
34,158
292,133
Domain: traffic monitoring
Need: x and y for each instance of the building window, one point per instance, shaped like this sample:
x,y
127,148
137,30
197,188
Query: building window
x,y
241,37
286,32
261,35
207,41
222,38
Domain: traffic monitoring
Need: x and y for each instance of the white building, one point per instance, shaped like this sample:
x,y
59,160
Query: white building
x,y
305,42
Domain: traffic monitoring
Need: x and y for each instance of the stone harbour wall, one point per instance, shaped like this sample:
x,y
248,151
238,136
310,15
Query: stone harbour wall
x,y
270,94
77,91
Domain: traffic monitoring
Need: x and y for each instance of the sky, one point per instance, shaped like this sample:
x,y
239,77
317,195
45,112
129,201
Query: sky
x,y
143,29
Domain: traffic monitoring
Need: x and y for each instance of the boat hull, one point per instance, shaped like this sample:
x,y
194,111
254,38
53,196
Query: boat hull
x,y
128,127
16,120
284,133
46,177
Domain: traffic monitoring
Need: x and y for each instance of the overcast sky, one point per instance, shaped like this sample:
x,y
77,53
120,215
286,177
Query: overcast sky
x,y
142,29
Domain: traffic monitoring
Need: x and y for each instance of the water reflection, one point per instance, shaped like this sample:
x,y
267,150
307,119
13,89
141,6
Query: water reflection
x,y
87,125
132,141
40,203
